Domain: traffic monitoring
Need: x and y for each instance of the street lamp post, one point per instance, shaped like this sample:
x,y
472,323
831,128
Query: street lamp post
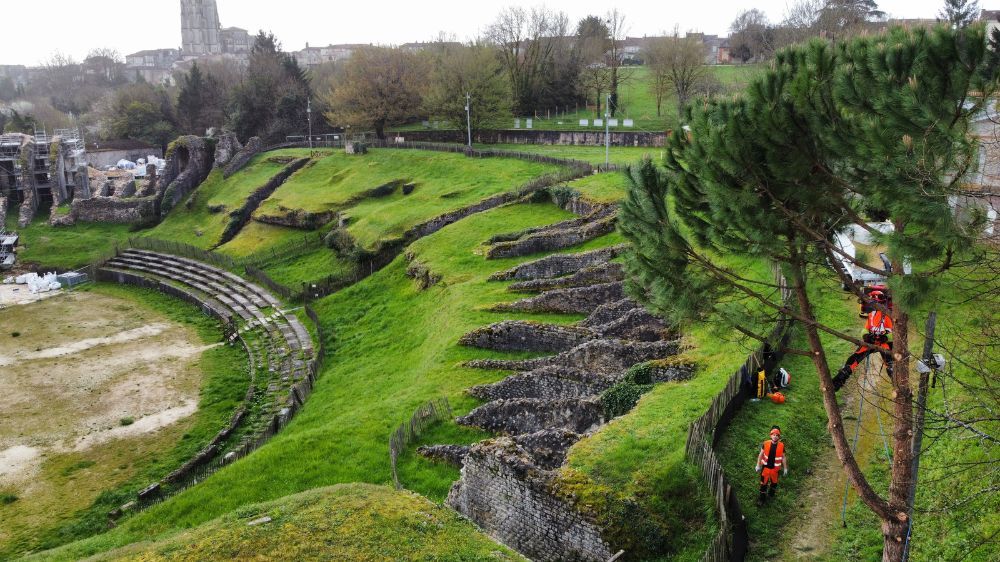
x,y
468,116
607,134
309,117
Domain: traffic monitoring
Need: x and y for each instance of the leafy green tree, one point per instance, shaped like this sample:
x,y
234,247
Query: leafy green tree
x,y
474,69
959,13
379,86
775,174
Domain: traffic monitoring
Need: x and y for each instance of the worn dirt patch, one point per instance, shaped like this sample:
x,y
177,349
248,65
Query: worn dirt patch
x,y
811,527
13,295
91,387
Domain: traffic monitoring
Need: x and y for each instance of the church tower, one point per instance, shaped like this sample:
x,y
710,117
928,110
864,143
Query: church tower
x,y
200,28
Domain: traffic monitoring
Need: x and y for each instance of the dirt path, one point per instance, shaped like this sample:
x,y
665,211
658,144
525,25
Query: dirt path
x,y
810,530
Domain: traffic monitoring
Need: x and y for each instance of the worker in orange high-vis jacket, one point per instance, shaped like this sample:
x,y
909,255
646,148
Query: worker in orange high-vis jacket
x,y
770,460
878,331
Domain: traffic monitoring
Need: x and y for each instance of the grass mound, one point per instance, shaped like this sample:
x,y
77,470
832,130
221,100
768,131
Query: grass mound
x,y
344,522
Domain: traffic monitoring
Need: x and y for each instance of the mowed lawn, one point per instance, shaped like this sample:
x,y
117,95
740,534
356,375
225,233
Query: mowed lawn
x,y
394,347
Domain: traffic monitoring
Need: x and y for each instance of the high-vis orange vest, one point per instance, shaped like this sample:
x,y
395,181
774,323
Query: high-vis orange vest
x,y
779,454
879,323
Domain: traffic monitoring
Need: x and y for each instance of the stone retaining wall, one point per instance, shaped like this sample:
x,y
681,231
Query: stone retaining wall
x,y
559,264
503,491
528,415
604,273
575,300
602,356
522,335
552,382
240,217
552,239
138,210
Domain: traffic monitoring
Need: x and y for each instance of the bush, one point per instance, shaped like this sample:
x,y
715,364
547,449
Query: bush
x,y
129,420
622,397
6,498
15,334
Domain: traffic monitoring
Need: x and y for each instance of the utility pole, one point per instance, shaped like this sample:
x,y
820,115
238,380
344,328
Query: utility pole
x,y
468,116
928,363
309,117
607,134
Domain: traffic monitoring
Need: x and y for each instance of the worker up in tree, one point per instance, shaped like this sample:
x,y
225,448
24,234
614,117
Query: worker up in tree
x,y
770,460
878,330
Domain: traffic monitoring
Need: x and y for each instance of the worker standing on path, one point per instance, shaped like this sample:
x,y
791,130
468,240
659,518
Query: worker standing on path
x,y
771,459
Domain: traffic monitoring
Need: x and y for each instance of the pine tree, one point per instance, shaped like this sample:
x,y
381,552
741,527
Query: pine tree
x,y
959,13
775,174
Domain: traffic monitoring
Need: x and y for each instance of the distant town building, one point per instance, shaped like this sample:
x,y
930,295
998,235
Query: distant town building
x,y
313,56
153,65
992,19
236,41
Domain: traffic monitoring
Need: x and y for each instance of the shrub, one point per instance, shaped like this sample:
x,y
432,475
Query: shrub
x,y
6,498
622,397
128,420
15,334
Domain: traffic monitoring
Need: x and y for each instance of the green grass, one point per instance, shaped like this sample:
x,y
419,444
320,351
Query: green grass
x,y
394,348
224,382
258,237
67,247
636,100
343,522
317,264
593,154
602,188
193,223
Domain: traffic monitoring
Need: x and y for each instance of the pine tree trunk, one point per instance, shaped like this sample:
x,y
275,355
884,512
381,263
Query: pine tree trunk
x,y
836,423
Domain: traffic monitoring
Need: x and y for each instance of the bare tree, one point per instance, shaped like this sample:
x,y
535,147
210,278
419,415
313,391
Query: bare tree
x,y
615,59
751,37
473,69
680,63
520,36
658,52
800,23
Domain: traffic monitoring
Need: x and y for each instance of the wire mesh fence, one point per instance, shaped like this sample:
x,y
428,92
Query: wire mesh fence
x,y
407,432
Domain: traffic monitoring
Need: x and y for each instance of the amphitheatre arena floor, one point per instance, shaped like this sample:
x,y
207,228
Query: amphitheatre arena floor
x,y
90,385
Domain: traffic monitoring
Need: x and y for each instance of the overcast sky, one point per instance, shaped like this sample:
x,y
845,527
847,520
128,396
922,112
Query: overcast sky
x,y
40,28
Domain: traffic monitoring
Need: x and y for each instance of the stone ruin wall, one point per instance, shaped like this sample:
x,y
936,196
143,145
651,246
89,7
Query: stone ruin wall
x,y
504,492
242,156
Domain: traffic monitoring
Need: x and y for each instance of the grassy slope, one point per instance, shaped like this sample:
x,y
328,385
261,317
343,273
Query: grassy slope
x,y
395,348
224,382
67,247
593,154
196,225
343,522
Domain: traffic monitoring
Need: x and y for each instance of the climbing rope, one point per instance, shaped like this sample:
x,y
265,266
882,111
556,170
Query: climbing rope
x,y
854,447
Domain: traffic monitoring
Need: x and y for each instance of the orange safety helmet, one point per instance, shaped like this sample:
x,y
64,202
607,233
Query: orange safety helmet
x,y
778,398
877,296
775,431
